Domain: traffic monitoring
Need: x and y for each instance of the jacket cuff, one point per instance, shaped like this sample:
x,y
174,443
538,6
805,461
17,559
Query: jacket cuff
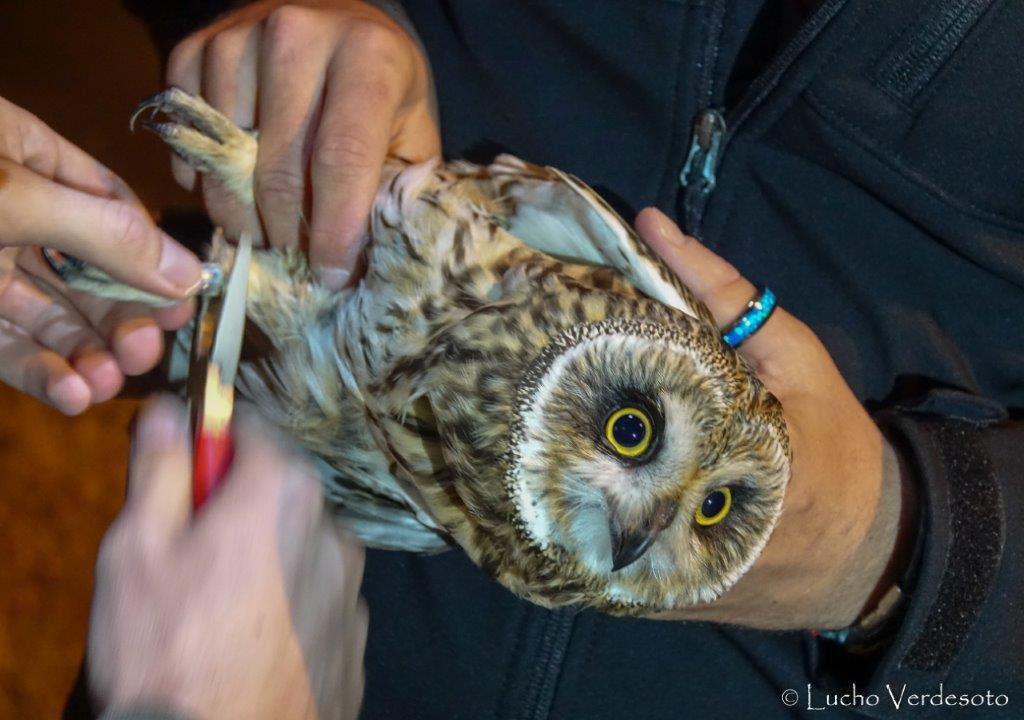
x,y
946,443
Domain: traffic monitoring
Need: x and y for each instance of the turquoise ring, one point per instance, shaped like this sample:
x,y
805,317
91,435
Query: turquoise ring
x,y
756,315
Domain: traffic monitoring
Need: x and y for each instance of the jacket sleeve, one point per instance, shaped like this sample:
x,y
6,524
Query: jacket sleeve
x,y
959,642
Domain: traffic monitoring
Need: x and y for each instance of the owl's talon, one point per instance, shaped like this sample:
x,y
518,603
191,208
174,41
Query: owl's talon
x,y
202,137
187,110
65,266
139,109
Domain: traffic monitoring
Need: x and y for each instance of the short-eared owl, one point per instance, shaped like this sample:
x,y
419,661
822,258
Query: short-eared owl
x,y
516,375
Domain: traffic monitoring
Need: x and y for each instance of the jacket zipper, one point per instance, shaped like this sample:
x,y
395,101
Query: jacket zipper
x,y
543,682
714,128
699,173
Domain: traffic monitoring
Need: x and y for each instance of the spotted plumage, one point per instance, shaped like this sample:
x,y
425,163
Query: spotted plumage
x,y
516,375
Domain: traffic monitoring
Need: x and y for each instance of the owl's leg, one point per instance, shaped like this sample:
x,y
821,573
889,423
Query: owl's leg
x,y
203,138
206,140
86,278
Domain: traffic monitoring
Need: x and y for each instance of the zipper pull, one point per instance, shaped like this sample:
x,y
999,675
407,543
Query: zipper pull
x,y
698,174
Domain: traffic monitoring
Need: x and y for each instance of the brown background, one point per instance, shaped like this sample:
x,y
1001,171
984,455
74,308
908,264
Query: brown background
x,y
81,67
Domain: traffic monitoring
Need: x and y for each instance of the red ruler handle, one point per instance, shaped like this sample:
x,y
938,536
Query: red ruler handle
x,y
210,462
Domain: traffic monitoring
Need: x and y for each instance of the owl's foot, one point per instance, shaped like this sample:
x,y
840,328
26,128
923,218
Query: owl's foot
x,y
86,278
204,138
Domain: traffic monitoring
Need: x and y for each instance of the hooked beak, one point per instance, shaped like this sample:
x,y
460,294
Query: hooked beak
x,y
630,543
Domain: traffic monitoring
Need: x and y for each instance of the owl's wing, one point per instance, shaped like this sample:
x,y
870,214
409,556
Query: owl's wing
x,y
558,214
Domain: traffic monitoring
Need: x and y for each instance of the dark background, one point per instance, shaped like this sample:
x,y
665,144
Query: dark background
x,y
81,67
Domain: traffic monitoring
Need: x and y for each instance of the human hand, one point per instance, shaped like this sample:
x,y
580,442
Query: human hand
x,y
336,85
249,610
66,348
836,546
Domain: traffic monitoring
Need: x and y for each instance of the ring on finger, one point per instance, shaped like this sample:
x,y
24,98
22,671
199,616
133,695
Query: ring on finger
x,y
756,314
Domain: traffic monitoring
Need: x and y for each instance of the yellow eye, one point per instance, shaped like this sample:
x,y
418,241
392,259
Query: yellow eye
x,y
715,507
629,431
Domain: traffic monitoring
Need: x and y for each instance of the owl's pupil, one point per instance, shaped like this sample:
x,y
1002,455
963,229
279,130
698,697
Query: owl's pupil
x,y
713,504
629,430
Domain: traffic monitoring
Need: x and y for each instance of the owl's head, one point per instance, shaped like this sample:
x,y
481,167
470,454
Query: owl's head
x,y
644,465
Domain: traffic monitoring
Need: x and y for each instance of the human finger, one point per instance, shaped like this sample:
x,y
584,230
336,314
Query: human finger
x,y
230,85
115,235
43,374
48,319
268,485
26,140
184,70
291,65
131,331
721,287
160,468
362,97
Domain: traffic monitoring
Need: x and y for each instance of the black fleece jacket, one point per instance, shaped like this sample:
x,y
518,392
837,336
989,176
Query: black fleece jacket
x,y
872,173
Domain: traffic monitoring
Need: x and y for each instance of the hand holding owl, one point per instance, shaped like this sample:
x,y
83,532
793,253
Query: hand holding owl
x,y
839,539
66,348
337,85
249,609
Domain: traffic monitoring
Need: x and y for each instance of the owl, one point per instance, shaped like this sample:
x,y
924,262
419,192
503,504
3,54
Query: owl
x,y
515,374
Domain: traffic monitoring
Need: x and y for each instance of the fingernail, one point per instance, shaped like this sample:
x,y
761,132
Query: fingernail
x,y
161,424
669,231
178,266
333,278
70,394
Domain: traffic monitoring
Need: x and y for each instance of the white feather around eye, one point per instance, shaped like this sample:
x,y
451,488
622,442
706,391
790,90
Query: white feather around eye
x,y
602,475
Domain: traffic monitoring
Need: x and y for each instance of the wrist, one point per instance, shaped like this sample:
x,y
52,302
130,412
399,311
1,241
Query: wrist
x,y
905,539
886,556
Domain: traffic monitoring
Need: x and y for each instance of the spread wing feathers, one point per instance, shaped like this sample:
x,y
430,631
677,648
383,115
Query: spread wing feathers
x,y
558,214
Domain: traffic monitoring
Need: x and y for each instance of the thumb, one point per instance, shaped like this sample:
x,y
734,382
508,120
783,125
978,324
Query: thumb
x,y
722,288
160,470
